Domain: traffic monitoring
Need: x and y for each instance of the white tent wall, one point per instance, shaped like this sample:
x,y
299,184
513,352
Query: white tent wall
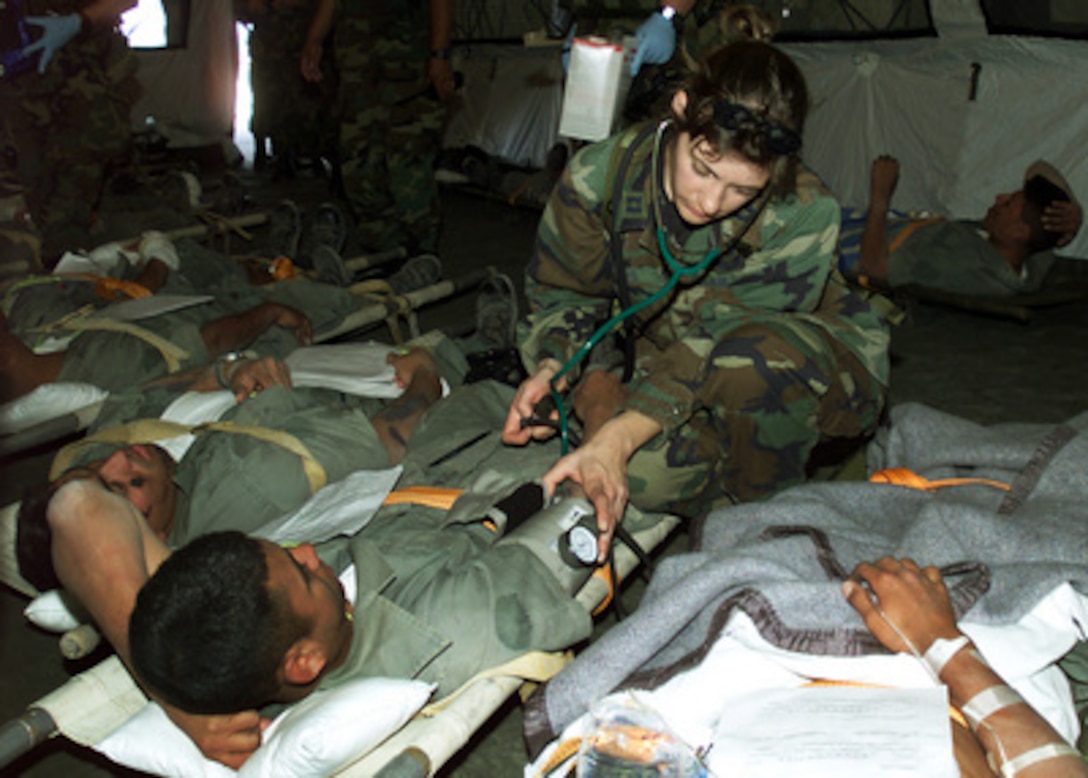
x,y
911,99
191,91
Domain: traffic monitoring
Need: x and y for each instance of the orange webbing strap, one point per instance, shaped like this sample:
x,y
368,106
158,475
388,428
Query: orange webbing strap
x,y
909,230
430,496
116,288
611,578
901,476
953,711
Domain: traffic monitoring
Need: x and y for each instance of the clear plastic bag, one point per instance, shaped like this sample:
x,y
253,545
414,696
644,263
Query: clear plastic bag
x,y
629,740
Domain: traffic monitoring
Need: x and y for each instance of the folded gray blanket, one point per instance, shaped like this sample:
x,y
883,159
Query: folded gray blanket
x,y
782,561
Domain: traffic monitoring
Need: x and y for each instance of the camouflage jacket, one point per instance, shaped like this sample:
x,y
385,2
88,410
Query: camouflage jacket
x,y
782,272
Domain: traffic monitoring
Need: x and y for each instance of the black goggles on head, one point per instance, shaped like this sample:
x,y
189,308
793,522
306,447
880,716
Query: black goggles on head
x,y
734,117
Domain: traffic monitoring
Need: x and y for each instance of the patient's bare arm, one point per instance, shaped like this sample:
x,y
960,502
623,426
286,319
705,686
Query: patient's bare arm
x,y
883,179
417,373
103,553
901,602
233,333
598,397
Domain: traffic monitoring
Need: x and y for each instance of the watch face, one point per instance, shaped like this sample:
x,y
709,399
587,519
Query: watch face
x,y
582,542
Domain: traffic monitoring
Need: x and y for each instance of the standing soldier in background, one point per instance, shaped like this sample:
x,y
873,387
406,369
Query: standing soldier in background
x,y
393,59
68,115
296,115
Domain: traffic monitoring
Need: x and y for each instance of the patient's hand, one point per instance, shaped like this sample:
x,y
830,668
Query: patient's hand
x,y
883,178
407,366
295,320
900,593
254,375
1062,217
230,738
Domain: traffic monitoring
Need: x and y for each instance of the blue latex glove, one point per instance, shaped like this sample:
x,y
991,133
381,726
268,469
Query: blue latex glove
x,y
568,43
56,31
656,42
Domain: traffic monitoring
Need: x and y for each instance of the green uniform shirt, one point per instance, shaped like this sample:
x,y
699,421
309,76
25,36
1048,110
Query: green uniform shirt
x,y
954,256
436,599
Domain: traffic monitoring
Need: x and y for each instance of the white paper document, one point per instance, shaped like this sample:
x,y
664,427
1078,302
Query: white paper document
x,y
155,305
835,731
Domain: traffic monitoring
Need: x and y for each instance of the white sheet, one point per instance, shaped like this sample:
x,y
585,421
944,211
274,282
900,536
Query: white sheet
x,y
742,662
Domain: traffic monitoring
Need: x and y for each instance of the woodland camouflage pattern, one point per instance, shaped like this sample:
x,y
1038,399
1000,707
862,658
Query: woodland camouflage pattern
x,y
391,123
69,125
297,115
746,368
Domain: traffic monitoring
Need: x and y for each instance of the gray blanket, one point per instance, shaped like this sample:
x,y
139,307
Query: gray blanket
x,y
782,561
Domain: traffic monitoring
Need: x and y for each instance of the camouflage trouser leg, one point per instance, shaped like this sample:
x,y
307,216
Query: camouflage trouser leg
x,y
68,126
388,172
767,398
390,135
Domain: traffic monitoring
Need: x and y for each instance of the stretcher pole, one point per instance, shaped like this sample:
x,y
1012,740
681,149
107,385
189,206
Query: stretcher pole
x,y
23,734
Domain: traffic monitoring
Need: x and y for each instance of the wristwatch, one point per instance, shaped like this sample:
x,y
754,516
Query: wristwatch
x,y
222,376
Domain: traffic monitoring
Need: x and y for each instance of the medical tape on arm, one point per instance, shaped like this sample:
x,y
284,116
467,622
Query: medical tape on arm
x,y
1036,755
988,702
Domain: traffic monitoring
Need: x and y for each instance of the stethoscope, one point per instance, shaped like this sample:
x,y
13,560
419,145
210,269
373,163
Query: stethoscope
x,y
677,271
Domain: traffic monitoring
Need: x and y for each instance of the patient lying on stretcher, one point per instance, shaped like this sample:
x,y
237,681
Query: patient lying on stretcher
x,y
243,479
59,328
439,596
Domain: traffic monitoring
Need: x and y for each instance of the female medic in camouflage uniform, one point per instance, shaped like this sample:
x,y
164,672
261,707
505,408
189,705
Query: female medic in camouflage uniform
x,y
745,347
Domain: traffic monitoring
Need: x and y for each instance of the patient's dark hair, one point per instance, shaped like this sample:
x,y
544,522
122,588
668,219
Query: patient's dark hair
x,y
1040,192
34,538
206,633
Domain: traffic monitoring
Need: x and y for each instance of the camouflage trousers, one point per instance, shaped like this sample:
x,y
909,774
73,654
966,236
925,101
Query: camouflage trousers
x,y
297,115
68,126
390,137
766,398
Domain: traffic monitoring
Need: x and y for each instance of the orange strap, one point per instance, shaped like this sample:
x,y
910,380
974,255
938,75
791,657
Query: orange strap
x,y
909,230
611,578
430,496
282,268
901,476
116,289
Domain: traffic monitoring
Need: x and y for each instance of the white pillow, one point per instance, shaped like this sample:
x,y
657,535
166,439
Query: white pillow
x,y
56,611
48,401
316,737
152,743
328,730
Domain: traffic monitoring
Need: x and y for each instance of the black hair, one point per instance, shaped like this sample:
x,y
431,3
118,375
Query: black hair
x,y
206,633
750,98
1039,192
34,538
